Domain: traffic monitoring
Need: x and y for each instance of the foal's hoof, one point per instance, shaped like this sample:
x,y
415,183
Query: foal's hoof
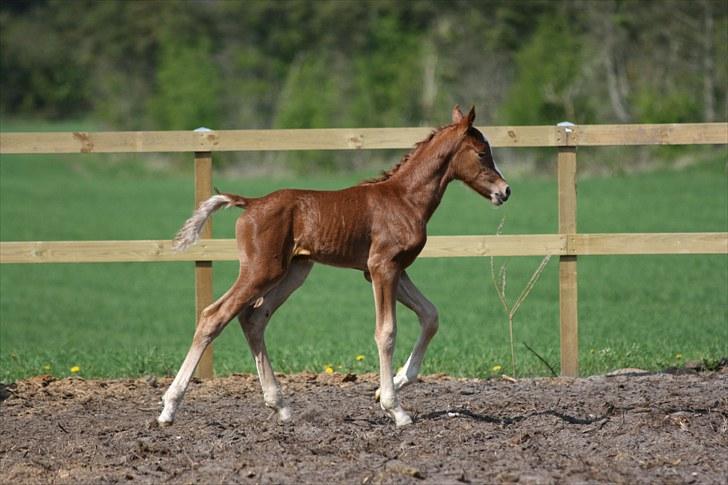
x,y
166,417
163,423
284,414
401,418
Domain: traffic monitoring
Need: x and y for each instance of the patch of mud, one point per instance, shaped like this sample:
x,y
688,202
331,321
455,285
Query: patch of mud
x,y
631,428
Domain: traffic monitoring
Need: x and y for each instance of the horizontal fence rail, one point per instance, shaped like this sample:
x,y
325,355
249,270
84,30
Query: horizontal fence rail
x,y
567,244
145,251
354,138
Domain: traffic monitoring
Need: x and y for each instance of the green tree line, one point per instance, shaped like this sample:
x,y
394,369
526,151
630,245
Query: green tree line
x,y
332,63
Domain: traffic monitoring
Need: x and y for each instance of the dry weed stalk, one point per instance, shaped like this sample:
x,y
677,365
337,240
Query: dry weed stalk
x,y
500,281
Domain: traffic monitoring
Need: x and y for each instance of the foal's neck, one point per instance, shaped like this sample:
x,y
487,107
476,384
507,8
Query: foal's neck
x,y
423,181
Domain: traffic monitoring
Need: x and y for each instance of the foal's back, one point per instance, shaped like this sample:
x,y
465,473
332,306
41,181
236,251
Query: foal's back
x,y
330,227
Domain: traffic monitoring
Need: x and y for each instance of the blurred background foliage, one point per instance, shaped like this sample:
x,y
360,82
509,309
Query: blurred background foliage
x,y
138,65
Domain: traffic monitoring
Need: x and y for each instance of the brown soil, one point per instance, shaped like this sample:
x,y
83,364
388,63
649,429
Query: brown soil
x,y
658,428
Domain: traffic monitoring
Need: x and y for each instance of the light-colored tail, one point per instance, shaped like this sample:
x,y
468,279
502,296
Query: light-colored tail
x,y
189,234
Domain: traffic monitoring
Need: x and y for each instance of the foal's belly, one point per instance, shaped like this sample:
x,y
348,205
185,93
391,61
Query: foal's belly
x,y
344,251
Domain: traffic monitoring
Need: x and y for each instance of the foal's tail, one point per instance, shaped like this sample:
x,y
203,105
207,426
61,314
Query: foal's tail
x,y
190,231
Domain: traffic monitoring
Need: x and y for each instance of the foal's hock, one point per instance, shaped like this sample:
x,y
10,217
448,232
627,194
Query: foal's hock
x,y
378,227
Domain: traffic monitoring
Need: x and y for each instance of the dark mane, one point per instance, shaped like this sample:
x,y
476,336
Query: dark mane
x,y
387,174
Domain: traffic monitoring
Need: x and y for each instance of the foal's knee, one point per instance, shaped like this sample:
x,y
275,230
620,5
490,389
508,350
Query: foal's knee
x,y
385,336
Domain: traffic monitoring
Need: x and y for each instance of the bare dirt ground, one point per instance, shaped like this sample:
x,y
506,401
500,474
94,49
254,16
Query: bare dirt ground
x,y
656,428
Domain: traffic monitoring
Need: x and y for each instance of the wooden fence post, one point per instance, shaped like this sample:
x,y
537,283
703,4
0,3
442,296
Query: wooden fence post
x,y
203,269
568,307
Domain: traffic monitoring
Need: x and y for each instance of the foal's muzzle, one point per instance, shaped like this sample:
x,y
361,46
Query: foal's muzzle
x,y
501,196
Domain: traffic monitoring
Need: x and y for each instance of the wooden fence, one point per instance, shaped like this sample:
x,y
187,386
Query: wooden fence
x,y
568,244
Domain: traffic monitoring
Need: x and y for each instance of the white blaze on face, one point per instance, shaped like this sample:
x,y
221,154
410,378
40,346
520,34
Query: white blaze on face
x,y
500,174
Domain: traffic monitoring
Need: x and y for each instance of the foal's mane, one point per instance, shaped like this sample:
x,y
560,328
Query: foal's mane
x,y
387,174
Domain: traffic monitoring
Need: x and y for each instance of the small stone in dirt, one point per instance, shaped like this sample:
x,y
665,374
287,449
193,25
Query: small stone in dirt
x,y
628,372
520,439
462,478
458,476
402,469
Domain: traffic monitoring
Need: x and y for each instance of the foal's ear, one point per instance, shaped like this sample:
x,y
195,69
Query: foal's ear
x,y
471,116
457,115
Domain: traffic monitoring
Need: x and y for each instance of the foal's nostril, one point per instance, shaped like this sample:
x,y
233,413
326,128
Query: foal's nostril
x,y
508,193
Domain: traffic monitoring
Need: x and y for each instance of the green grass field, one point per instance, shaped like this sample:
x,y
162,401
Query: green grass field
x,y
132,319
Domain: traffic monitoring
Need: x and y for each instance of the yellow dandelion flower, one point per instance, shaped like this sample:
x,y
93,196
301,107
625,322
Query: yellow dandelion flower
x,y
359,358
496,368
75,369
328,369
46,367
678,356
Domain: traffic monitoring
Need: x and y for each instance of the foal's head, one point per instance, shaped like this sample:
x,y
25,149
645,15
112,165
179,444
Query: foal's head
x,y
472,161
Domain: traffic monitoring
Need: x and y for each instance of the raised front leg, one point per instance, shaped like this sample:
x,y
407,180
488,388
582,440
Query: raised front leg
x,y
384,284
412,298
253,321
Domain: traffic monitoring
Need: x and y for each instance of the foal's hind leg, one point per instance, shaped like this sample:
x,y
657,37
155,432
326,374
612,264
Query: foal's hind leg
x,y
212,321
412,298
253,321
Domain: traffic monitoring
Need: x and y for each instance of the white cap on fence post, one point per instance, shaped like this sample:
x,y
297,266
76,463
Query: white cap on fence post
x,y
568,125
569,134
203,129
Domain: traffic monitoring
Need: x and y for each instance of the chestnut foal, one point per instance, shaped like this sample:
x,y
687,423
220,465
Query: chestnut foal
x,y
378,227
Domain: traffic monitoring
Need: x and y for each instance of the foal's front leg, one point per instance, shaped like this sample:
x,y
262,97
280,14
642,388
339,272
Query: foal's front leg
x,y
384,284
412,298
